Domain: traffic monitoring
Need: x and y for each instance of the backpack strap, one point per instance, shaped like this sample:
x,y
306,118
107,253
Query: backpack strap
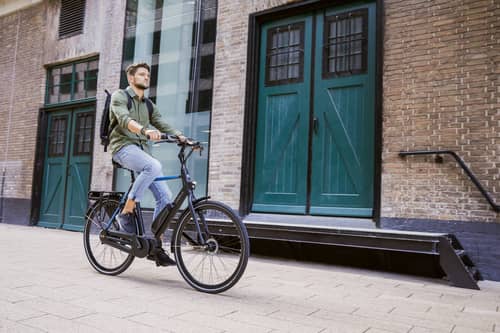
x,y
129,99
149,103
104,133
150,106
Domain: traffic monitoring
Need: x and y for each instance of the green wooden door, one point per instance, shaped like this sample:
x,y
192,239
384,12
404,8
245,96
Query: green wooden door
x,y
339,85
67,169
344,106
54,171
78,172
283,116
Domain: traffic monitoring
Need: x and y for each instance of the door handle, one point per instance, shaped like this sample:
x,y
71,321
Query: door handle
x,y
315,125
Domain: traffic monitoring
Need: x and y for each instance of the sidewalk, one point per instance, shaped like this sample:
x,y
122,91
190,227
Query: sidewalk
x,y
47,285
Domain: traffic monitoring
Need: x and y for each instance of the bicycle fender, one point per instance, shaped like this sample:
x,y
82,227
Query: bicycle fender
x,y
200,200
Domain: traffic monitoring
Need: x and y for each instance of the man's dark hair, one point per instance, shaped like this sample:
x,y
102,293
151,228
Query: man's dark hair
x,y
131,69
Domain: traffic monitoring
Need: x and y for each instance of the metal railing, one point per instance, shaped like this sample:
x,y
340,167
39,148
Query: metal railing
x,y
459,160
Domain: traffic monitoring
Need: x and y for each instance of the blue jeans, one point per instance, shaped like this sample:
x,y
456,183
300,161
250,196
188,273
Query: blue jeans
x,y
134,158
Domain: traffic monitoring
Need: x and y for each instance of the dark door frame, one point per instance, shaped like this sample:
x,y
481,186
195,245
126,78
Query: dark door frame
x,y
41,141
251,94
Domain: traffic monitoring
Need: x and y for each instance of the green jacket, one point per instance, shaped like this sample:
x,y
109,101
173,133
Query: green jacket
x,y
119,114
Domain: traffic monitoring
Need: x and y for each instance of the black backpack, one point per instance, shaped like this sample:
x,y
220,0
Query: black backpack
x,y
106,125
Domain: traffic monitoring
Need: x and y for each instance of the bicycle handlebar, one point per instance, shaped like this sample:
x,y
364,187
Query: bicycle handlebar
x,y
175,139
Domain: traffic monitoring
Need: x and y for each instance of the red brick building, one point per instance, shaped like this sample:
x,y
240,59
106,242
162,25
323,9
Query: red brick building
x,y
304,107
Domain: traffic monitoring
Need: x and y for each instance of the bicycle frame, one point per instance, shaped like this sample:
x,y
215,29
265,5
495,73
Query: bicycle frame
x,y
162,220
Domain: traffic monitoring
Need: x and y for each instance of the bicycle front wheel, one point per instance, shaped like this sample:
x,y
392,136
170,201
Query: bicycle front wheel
x,y
104,258
218,263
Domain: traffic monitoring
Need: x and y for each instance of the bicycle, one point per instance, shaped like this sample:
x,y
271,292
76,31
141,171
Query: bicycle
x,y
209,241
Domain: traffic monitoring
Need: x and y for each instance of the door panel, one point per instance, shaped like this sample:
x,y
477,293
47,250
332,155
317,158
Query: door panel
x,y
67,169
283,117
339,85
78,177
54,178
342,165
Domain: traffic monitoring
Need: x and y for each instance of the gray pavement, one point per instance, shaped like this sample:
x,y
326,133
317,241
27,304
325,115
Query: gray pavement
x,y
47,285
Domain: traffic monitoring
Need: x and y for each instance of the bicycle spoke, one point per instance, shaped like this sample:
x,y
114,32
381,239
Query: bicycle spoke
x,y
105,258
220,262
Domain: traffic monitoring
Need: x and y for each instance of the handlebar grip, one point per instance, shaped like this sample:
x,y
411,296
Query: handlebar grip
x,y
169,138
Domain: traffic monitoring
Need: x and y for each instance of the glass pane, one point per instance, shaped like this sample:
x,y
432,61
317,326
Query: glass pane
x,y
79,90
272,74
293,71
93,65
83,134
164,37
357,25
285,53
53,95
80,68
65,93
274,43
67,69
345,42
295,37
66,78
91,74
55,79
57,137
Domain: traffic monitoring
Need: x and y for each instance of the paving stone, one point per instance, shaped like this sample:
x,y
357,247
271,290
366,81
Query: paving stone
x,y
272,323
9,326
17,311
15,295
222,323
61,292
107,323
53,324
60,309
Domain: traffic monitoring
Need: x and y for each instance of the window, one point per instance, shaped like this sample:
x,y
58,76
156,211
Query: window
x,y
71,82
285,54
71,18
57,136
83,134
177,38
345,44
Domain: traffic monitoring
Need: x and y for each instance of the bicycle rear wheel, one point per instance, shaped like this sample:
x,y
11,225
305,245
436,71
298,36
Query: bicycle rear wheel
x,y
104,258
218,264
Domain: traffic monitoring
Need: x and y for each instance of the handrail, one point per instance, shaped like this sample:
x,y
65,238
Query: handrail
x,y
469,173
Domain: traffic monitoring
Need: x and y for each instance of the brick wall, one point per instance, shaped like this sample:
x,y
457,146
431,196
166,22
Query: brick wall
x,y
441,91
110,62
21,95
226,140
102,35
30,42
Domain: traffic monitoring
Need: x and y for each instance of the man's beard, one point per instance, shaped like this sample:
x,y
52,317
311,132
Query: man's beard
x,y
142,86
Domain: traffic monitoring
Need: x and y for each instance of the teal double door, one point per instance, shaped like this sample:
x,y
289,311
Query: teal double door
x,y
315,120
67,163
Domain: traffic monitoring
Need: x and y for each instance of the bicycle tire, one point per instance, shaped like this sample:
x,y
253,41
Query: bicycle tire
x,y
97,217
227,240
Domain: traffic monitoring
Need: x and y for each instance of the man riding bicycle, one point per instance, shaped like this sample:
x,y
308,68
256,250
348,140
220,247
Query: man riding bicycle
x,y
130,148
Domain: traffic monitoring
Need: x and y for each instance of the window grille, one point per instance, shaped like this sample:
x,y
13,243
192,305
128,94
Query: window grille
x,y
345,44
57,136
285,54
